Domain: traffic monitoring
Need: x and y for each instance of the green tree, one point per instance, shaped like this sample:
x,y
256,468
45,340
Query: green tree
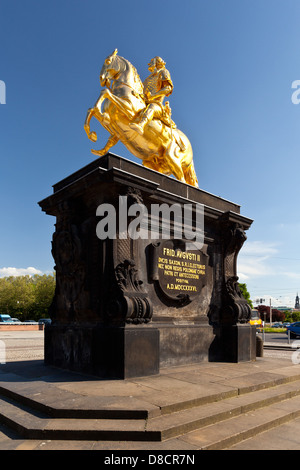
x,y
277,315
5,296
44,287
292,316
246,295
16,295
26,297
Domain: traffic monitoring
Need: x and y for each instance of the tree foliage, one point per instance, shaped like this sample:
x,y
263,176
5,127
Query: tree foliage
x,y
26,297
277,315
246,295
292,316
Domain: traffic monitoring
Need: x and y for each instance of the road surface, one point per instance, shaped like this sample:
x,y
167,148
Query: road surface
x,y
21,345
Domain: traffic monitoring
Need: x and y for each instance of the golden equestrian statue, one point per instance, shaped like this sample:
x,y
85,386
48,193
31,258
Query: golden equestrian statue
x,y
133,112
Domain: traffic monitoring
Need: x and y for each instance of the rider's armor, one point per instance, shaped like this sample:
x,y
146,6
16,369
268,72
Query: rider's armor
x,y
155,108
155,82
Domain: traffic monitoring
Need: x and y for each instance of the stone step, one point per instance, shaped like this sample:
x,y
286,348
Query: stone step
x,y
237,429
59,403
175,424
33,424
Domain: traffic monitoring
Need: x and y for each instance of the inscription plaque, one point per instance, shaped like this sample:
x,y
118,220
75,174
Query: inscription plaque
x,y
180,272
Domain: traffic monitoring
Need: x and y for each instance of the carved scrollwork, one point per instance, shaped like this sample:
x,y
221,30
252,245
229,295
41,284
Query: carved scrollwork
x,y
235,307
132,303
126,300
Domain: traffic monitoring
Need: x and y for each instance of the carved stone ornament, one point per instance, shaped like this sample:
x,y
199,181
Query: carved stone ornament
x,y
70,272
235,307
129,302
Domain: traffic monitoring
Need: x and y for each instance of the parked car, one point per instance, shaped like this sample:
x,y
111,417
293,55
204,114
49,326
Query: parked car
x,y
277,325
5,319
30,321
286,324
16,320
45,321
294,329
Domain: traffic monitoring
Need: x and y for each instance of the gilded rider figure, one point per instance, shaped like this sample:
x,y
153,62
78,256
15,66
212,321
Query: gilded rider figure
x,y
156,87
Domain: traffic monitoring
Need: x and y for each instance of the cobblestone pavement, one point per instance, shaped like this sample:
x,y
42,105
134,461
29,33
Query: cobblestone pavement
x,y
22,345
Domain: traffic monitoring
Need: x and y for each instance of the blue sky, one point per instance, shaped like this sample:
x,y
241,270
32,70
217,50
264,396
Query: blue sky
x,y
232,63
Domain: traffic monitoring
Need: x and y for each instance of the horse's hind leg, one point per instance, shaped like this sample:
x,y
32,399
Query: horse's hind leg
x,y
190,175
174,163
151,165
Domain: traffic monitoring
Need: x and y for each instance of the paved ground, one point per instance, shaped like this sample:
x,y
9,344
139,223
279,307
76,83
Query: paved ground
x,y
22,345
27,346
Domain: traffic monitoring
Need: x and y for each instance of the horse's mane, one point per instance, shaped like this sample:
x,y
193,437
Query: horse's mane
x,y
136,78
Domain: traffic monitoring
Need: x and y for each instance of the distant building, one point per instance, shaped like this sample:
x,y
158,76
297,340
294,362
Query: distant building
x,y
284,309
297,303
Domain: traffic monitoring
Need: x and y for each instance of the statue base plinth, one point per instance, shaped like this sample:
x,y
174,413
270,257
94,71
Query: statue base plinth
x,y
126,307
108,352
238,343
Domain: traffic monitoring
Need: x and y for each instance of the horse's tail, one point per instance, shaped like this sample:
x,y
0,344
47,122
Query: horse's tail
x,y
190,175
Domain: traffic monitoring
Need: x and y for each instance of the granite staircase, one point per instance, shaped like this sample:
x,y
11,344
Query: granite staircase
x,y
215,421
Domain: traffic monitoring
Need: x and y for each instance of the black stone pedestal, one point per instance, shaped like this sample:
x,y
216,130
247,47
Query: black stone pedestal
x,y
127,306
238,343
185,344
110,352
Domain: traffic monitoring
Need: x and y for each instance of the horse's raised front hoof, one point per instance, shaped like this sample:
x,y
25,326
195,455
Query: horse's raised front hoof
x,y
93,136
99,153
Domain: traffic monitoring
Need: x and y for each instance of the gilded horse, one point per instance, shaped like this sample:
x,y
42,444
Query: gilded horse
x,y
161,147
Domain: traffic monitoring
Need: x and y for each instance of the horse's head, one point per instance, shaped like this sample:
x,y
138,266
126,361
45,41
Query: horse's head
x,y
109,69
117,68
